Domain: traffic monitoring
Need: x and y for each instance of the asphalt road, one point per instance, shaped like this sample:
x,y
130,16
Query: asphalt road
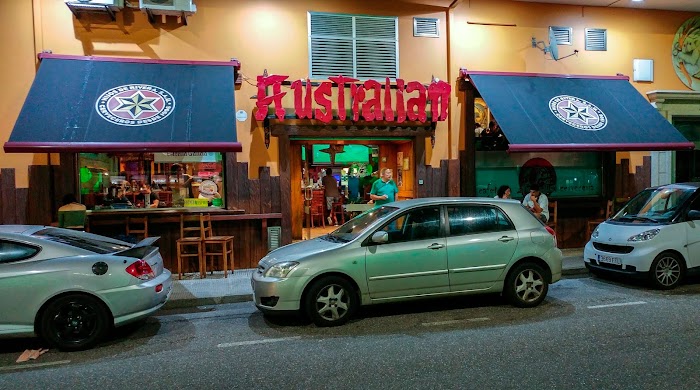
x,y
589,334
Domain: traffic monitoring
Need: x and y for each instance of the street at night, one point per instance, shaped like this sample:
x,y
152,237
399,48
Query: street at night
x,y
589,333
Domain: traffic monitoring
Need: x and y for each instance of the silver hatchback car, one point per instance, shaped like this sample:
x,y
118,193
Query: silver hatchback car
x,y
419,248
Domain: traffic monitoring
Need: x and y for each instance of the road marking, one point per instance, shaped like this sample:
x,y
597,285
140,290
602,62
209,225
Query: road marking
x,y
450,322
33,365
617,304
253,342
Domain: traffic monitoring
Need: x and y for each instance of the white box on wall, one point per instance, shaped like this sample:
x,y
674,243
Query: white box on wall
x,y
642,70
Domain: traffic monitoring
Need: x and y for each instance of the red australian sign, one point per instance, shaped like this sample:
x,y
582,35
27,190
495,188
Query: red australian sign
x,y
371,100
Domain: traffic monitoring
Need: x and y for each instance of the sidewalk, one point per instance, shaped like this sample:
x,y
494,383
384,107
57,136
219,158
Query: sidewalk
x,y
215,289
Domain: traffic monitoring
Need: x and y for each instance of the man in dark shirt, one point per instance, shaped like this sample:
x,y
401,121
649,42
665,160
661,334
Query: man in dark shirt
x,y
330,190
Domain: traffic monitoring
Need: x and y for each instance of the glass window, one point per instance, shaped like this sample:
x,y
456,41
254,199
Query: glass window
x,y
420,224
90,242
559,175
14,251
654,205
151,180
476,219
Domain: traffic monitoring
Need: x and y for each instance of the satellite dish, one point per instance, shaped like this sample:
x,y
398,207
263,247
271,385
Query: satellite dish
x,y
553,48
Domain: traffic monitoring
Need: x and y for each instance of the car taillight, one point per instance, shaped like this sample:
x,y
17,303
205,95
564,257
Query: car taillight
x,y
553,233
141,270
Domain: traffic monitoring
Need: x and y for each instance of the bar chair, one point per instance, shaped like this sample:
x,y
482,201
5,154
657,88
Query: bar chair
x,y
190,244
216,246
592,224
137,226
318,207
338,210
552,221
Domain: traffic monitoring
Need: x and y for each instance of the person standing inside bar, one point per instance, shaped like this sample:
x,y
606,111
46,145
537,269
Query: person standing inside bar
x,y
384,190
330,190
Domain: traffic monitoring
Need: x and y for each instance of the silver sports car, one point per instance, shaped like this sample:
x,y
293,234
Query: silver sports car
x,y
71,287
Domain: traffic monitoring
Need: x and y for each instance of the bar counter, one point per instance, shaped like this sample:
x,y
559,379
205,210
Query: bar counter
x,y
249,230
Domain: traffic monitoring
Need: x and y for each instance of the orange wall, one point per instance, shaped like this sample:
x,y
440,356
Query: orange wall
x,y
632,33
272,35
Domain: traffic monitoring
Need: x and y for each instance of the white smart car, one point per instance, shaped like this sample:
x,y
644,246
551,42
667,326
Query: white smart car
x,y
656,236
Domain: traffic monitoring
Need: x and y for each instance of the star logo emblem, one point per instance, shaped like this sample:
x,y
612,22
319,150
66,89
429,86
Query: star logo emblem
x,y
136,104
577,112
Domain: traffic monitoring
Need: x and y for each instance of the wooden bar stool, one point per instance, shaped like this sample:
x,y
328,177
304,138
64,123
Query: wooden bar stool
x,y
190,244
216,246
137,226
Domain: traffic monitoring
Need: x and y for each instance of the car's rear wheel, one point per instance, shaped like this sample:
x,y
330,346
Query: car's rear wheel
x,y
526,285
331,301
667,271
74,322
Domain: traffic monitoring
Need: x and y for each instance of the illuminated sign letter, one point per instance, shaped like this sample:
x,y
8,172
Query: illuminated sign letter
x,y
264,101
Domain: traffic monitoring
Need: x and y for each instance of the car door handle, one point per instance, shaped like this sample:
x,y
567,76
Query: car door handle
x,y
506,239
436,246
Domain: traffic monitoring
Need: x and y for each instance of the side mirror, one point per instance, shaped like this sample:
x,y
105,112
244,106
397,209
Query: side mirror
x,y
693,215
380,237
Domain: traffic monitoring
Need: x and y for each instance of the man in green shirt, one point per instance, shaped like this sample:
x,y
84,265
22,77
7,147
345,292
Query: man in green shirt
x,y
384,190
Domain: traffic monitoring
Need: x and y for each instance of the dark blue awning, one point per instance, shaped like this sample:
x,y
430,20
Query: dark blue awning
x,y
100,104
540,112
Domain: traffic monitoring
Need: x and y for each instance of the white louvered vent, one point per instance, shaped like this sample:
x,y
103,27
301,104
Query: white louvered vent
x,y
563,34
596,39
426,27
274,237
364,47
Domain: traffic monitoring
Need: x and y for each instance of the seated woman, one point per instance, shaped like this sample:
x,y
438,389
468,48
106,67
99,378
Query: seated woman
x,y
155,202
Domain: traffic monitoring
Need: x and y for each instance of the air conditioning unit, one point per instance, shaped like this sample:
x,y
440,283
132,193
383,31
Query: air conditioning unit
x,y
168,7
106,6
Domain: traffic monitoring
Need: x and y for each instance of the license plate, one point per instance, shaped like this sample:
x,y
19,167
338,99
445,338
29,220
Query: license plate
x,y
610,259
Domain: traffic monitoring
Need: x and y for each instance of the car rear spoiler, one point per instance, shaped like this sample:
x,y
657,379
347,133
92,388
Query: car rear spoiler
x,y
140,250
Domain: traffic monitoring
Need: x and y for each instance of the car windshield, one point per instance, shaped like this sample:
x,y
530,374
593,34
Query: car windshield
x,y
353,228
657,205
90,242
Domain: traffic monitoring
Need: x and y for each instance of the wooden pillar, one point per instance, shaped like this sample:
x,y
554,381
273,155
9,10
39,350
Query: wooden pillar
x,y
419,152
469,171
231,181
285,188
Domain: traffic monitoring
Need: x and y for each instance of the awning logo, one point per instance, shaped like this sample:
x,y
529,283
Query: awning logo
x,y
578,113
135,105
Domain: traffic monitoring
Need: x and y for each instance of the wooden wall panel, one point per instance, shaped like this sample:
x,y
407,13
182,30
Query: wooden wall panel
x,y
8,203
275,195
243,187
444,168
21,199
453,178
265,190
39,196
255,201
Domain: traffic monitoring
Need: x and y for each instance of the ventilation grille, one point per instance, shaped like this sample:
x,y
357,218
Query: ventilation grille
x,y
364,47
426,27
274,237
562,34
596,39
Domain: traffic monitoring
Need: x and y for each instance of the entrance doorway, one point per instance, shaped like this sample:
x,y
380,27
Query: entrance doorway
x,y
354,164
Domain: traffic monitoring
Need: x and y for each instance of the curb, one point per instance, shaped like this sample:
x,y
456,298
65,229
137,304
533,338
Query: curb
x,y
192,302
208,301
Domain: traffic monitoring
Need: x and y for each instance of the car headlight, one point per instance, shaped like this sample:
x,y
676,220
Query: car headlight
x,y
644,236
281,270
595,233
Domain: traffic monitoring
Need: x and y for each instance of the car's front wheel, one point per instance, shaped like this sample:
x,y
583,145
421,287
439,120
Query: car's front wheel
x,y
331,301
74,322
667,271
526,285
